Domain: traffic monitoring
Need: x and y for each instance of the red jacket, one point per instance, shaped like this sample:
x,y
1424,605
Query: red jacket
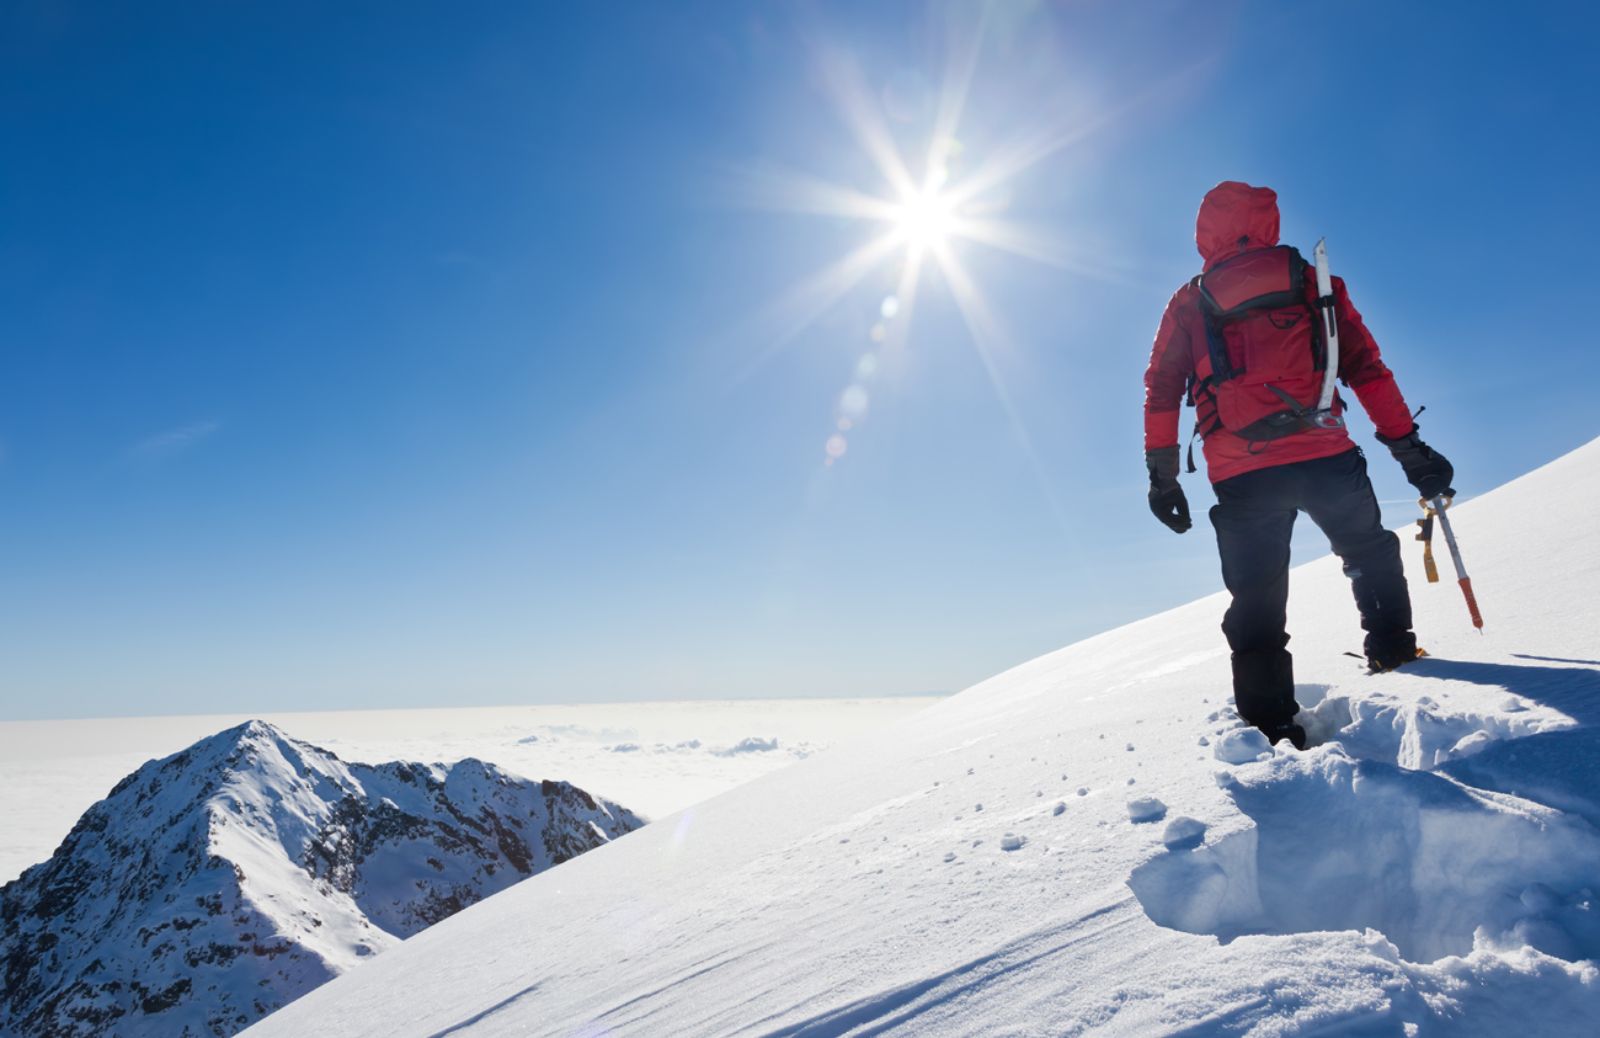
x,y
1235,218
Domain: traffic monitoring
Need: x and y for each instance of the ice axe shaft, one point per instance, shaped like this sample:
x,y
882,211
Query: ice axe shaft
x,y
1324,417
1439,505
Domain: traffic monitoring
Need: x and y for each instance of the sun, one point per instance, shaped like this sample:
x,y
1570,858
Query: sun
x,y
924,226
924,219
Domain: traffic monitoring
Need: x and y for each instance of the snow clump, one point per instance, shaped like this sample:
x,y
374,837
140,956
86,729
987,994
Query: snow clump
x,y
1146,809
1243,746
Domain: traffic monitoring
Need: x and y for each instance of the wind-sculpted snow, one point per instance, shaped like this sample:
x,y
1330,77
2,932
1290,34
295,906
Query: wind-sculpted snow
x,y
1344,844
214,886
995,864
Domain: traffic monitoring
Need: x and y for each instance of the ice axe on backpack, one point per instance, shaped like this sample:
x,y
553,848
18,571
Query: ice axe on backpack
x,y
1435,509
1324,417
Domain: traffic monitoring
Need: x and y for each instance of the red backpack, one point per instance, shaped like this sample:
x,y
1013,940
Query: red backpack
x,y
1261,374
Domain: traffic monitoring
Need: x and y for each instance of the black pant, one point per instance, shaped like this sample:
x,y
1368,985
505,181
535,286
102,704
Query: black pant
x,y
1254,517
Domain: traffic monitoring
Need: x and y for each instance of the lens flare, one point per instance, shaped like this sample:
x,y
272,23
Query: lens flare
x,y
929,208
853,401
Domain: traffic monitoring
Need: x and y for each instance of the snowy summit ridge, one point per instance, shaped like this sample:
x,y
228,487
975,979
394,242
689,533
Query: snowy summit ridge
x,y
215,885
1092,843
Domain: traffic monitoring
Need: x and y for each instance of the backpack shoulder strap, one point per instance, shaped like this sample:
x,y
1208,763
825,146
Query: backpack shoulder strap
x,y
1216,346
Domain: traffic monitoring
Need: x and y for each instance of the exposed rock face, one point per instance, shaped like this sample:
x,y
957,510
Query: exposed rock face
x,y
214,886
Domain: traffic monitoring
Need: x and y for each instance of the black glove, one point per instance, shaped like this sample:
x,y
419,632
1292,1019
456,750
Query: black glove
x,y
1426,468
1166,497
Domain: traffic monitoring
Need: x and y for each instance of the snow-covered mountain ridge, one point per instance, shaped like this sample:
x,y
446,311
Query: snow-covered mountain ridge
x,y
1066,849
213,886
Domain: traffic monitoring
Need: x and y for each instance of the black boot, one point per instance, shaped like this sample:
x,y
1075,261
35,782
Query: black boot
x,y
1263,688
1278,732
1393,654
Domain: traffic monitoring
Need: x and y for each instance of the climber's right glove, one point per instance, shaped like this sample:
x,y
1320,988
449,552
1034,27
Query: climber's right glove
x,y
1166,496
1425,468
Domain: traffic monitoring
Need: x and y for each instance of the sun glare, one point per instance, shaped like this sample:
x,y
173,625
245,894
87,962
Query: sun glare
x,y
924,219
921,226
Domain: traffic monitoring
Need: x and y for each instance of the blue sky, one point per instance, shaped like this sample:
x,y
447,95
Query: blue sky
x,y
390,355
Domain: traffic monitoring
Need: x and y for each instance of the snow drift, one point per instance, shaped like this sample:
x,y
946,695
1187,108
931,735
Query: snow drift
x,y
1091,842
214,885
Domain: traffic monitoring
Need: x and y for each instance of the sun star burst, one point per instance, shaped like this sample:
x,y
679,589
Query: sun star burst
x,y
920,224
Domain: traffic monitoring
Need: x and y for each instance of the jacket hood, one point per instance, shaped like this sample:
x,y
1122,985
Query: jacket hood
x,y
1235,217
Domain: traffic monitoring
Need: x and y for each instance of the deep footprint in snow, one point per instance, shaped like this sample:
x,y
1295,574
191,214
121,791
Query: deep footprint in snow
x,y
1421,732
1419,735
1345,844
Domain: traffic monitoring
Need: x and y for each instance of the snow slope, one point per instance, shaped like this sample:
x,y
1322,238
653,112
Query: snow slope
x,y
1067,848
214,885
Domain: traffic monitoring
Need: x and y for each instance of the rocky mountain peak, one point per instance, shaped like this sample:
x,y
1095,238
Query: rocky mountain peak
x,y
218,883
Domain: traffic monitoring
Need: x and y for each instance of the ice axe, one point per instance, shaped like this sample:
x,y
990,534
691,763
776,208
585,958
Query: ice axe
x,y
1323,417
1433,508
